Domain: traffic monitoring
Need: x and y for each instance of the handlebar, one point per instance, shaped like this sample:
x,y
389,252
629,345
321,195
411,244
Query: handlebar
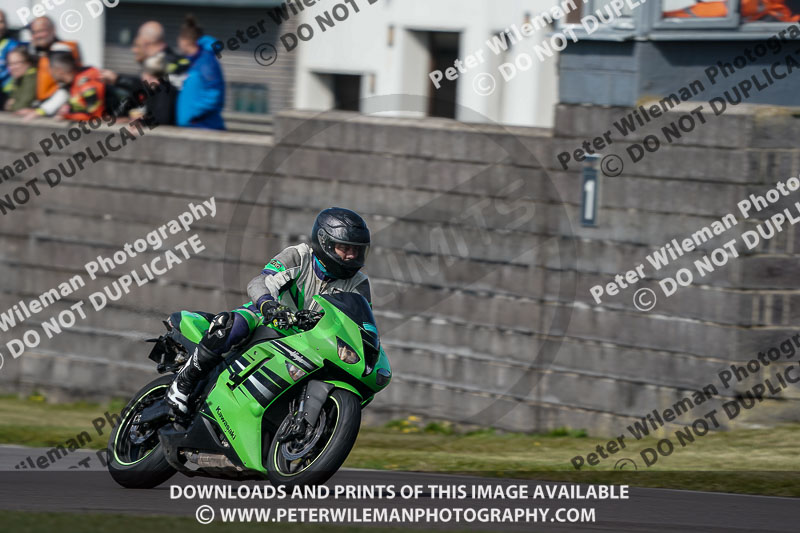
x,y
305,319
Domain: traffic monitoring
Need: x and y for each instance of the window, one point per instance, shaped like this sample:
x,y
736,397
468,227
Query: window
x,y
687,14
249,97
336,90
675,19
736,14
347,92
770,11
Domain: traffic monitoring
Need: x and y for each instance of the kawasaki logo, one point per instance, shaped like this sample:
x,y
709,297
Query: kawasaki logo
x,y
225,423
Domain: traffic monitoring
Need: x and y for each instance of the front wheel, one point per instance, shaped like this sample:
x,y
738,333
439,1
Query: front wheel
x,y
135,457
313,458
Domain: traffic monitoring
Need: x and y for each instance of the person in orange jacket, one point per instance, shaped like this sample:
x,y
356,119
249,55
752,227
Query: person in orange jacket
x,y
44,40
49,96
87,91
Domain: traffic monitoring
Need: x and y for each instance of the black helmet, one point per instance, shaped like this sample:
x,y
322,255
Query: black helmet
x,y
340,226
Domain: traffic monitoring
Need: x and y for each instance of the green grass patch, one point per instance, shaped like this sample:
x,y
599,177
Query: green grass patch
x,y
34,422
749,461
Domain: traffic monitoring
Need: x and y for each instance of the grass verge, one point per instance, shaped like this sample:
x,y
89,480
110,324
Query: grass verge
x,y
762,461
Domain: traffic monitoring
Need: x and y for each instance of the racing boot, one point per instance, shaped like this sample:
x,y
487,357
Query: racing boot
x,y
205,357
198,365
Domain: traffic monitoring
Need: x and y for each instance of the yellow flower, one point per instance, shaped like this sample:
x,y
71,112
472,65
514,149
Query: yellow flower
x,y
413,418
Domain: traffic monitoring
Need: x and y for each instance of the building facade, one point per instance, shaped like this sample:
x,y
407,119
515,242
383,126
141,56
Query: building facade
x,y
661,47
355,49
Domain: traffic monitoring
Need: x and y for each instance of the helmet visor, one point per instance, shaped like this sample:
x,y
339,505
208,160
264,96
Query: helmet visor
x,y
348,254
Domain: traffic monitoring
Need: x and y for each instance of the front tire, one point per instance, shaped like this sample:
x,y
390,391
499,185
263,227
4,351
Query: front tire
x,y
338,425
136,459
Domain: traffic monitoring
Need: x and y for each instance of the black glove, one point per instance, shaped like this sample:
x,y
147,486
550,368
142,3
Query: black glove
x,y
276,314
305,319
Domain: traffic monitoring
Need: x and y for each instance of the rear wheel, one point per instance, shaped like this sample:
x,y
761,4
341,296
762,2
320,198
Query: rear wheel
x,y
314,457
135,457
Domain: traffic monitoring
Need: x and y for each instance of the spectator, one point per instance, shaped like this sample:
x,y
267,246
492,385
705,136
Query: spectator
x,y
7,43
161,104
45,41
161,67
20,89
86,89
49,95
202,97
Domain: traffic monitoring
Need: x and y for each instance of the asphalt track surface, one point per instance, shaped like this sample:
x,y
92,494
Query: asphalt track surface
x,y
60,488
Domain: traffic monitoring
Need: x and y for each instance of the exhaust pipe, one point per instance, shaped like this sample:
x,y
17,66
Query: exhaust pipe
x,y
211,460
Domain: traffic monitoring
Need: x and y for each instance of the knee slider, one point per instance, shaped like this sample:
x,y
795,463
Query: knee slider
x,y
218,331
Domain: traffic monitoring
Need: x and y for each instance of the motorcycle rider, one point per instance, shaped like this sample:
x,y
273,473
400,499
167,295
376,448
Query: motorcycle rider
x,y
340,241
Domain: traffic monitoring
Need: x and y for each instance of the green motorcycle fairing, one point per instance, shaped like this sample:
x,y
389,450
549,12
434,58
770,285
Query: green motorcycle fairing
x,y
192,325
260,375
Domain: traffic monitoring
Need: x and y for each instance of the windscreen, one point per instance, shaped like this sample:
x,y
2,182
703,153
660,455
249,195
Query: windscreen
x,y
354,306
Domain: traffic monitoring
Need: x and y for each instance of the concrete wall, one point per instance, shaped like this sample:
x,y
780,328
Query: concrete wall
x,y
480,269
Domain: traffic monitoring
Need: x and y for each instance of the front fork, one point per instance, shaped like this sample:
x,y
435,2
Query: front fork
x,y
306,414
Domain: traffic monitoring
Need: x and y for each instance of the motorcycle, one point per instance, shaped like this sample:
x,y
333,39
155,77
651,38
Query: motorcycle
x,y
286,406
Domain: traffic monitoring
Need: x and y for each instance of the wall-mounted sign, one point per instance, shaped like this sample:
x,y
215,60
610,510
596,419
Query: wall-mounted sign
x,y
589,192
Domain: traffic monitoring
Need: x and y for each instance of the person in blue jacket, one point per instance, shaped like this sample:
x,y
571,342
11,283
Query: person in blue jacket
x,y
7,43
202,96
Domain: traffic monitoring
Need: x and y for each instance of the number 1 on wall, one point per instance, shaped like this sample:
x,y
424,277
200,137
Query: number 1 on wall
x,y
589,197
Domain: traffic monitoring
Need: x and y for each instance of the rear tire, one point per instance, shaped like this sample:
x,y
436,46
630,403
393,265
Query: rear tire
x,y
342,418
142,465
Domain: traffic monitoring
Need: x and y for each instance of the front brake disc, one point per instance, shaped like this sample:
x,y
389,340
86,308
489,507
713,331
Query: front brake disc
x,y
306,444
